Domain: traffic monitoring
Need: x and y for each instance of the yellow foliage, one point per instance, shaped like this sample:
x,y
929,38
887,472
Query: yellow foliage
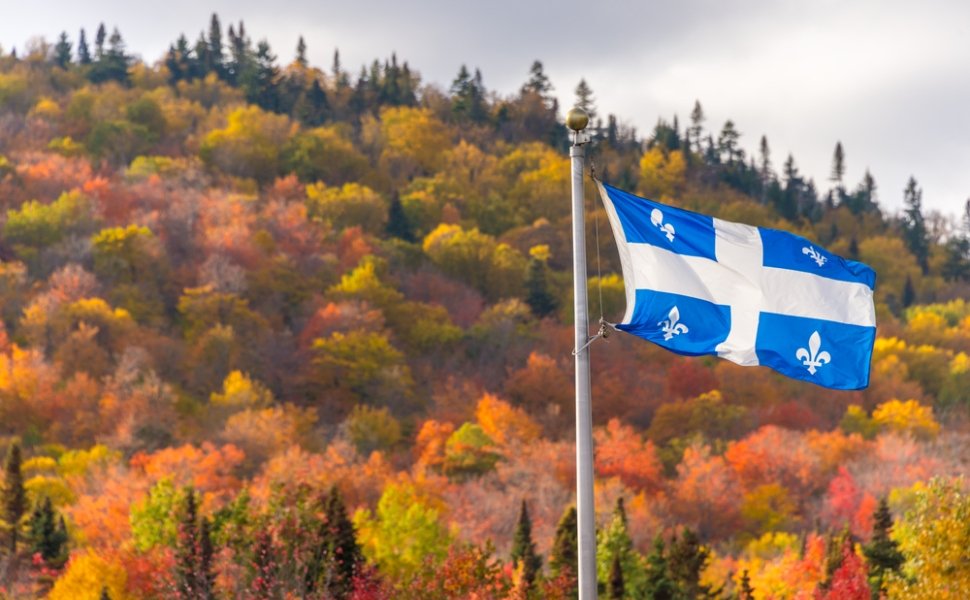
x,y
662,173
46,109
86,575
414,141
909,417
240,391
347,206
44,486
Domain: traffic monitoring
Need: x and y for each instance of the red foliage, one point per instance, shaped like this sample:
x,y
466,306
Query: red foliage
x,y
621,453
688,378
849,580
351,247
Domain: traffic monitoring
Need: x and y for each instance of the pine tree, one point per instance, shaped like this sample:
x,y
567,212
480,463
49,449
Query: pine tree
x,y
524,549
398,224
914,225
62,51
882,552
727,143
83,52
14,497
215,54
614,587
687,558
564,553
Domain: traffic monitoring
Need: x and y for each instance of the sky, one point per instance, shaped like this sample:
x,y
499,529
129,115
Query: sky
x,y
889,79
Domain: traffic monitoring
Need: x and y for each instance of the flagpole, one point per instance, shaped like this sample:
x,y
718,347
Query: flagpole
x,y
577,120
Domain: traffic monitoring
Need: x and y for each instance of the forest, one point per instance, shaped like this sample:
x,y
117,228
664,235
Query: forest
x,y
270,330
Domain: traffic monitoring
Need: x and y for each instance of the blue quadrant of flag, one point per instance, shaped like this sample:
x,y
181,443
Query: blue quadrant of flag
x,y
698,285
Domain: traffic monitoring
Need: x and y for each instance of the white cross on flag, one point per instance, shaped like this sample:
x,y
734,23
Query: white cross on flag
x,y
755,296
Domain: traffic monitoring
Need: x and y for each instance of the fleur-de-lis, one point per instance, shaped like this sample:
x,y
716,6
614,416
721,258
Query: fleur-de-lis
x,y
812,358
814,254
657,218
672,326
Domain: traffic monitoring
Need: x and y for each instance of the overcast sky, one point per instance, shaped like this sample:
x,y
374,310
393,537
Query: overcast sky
x,y
889,79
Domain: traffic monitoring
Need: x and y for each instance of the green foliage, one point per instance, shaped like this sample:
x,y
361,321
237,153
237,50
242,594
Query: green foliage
x,y
47,534
13,499
469,453
324,154
365,363
250,145
37,225
614,541
882,552
403,532
155,520
493,268
372,429
524,549
565,546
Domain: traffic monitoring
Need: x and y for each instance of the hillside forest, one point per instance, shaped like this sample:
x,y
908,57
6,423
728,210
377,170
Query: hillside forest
x,y
271,330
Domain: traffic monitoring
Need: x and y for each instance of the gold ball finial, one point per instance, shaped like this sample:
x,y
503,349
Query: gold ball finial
x,y
577,119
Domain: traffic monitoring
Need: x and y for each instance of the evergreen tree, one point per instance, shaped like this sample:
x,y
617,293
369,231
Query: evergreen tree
x,y
727,144
468,96
909,293
564,553
686,559
696,130
538,82
214,54
659,585
398,224
765,168
882,552
263,89
538,295
62,51
301,52
834,553
914,225
105,594
83,52
315,107
746,592
524,549
194,574
346,557
614,586
47,534
239,67
838,168
99,39
206,573
112,64
263,583
14,496
584,99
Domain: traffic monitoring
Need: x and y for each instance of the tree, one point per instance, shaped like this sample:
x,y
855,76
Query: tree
x,y
584,99
214,54
614,586
346,557
659,584
696,130
882,552
838,169
686,560
14,497
99,39
62,51
564,557
538,82
83,52
47,534
614,541
301,52
524,549
194,575
746,592
264,582
539,296
727,144
468,96
398,224
914,225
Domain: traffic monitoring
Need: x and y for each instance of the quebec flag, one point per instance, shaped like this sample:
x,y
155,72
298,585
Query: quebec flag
x,y
698,285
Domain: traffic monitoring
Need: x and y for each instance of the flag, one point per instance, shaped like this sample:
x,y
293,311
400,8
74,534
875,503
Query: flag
x,y
699,285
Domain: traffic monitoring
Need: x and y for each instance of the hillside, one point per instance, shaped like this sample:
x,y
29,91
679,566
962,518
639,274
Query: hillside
x,y
275,331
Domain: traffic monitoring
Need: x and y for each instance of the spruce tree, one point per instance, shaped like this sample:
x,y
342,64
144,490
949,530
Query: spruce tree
x,y
584,99
686,559
14,497
746,592
83,52
99,39
524,549
882,552
62,51
838,168
216,58
696,130
301,52
614,586
659,585
914,225
398,224
727,143
564,553
538,295
345,556
187,559
909,293
206,575
47,534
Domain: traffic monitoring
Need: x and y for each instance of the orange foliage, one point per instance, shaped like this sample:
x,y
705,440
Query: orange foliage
x,y
503,422
621,452
210,470
545,390
429,447
352,246
758,460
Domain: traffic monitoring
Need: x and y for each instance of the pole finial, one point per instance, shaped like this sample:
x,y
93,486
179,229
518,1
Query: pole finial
x,y
577,119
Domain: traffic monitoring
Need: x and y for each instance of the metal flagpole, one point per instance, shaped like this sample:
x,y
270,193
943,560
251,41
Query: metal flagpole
x,y
577,120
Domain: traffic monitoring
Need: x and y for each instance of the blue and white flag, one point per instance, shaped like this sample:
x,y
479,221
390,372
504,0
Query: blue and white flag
x,y
755,296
